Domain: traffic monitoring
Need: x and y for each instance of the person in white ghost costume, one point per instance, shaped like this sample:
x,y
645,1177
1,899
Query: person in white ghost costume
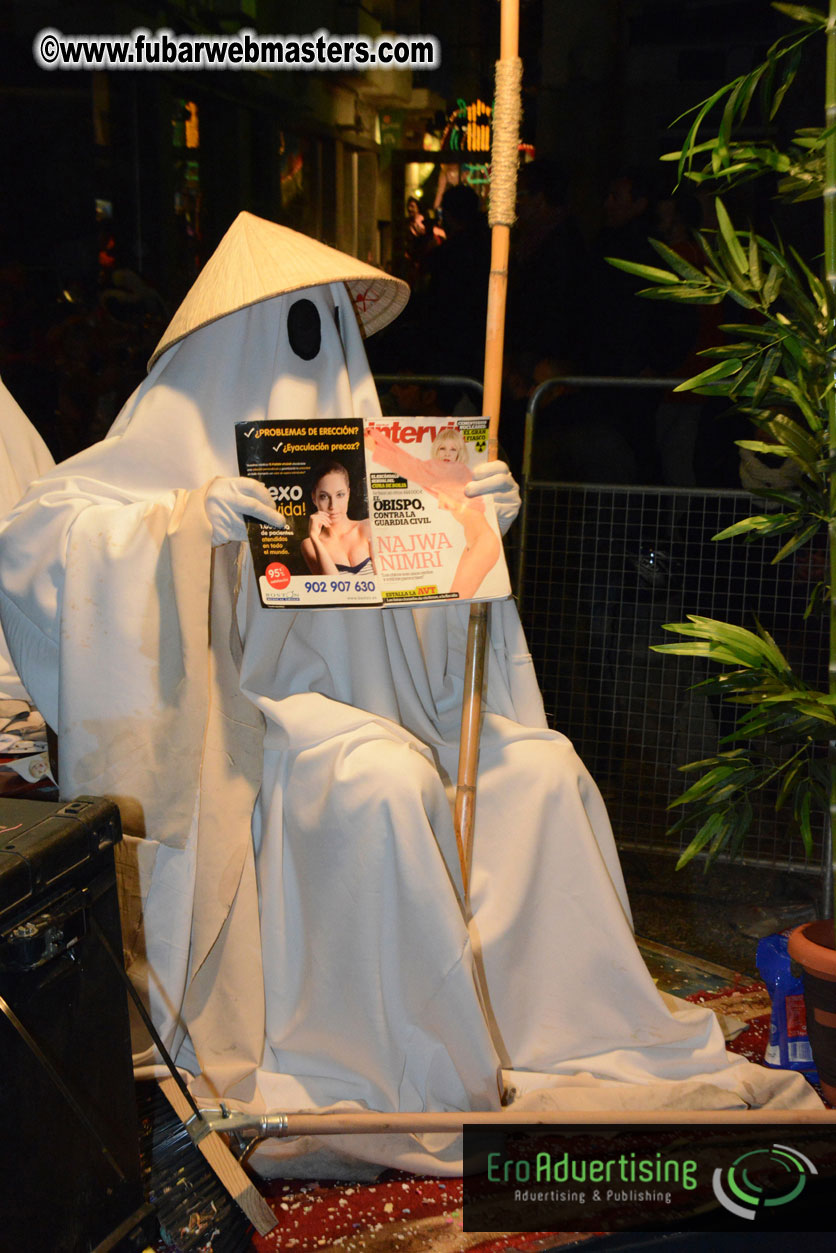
x,y
294,908
23,457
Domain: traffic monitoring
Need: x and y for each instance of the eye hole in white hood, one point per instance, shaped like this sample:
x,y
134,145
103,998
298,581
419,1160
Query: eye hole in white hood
x,y
304,330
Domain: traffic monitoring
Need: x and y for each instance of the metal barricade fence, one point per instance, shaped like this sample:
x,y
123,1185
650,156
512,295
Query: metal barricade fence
x,y
453,382
601,568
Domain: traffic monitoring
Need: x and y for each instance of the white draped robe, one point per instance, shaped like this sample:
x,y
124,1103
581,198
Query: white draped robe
x,y
292,900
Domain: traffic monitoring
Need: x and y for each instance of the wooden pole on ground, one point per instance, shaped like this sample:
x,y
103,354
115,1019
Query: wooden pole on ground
x,y
368,1122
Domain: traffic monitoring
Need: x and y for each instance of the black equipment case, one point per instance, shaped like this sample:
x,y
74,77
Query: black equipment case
x,y
70,1179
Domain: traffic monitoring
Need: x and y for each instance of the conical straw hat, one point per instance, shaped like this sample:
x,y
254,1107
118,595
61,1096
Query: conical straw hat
x,y
257,259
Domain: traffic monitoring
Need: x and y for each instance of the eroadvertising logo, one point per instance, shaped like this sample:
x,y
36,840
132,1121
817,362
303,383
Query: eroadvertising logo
x,y
748,1192
661,1177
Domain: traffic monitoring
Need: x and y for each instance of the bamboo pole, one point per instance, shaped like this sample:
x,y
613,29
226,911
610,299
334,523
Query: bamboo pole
x,y
503,185
829,211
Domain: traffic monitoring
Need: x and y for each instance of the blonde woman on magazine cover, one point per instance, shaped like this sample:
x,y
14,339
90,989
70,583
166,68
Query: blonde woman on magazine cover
x,y
446,474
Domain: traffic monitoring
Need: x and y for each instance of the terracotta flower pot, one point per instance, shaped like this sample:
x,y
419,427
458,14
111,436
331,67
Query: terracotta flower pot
x,y
812,946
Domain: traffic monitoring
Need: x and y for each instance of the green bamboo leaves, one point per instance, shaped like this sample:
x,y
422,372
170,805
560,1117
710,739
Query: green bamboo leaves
x,y
778,367
721,158
774,366
803,13
783,724
722,641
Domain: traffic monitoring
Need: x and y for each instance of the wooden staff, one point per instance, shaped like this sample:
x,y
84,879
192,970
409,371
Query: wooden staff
x,y
369,1122
504,156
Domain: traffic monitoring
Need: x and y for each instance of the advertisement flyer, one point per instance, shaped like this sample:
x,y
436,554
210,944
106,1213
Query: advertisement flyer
x,y
315,472
374,512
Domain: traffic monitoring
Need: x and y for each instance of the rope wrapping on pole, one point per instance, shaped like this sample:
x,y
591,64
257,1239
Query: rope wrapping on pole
x,y
505,142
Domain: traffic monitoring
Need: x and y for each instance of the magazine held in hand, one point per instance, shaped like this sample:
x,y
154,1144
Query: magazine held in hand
x,y
374,512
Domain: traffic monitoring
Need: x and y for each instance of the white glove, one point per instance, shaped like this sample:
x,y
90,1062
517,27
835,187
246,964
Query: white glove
x,y
493,478
227,500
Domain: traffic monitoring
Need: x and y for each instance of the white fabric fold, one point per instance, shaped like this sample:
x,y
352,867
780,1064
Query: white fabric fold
x,y
23,457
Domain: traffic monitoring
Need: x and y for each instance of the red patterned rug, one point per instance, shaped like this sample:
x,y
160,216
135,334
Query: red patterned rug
x,y
398,1212
744,1013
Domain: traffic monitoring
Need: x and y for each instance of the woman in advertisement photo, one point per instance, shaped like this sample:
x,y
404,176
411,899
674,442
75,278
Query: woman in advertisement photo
x,y
336,543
